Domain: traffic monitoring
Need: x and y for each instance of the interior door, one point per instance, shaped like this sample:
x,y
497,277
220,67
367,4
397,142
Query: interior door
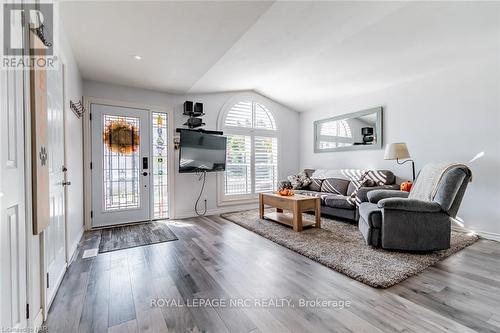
x,y
55,233
120,165
12,208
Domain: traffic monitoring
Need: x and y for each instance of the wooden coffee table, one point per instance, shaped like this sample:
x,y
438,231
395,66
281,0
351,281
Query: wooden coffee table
x,y
297,204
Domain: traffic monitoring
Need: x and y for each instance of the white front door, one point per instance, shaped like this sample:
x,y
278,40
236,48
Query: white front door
x,y
54,235
12,207
121,150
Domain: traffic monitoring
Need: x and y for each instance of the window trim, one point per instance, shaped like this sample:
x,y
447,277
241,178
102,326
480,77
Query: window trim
x,y
222,199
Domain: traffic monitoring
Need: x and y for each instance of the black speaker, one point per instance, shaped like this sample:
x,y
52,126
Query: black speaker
x,y
198,108
367,131
188,108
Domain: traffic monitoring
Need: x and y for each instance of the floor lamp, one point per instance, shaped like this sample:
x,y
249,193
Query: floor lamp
x,y
397,151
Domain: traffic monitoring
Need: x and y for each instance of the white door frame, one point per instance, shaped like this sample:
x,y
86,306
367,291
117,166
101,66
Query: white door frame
x,y
36,318
87,151
34,288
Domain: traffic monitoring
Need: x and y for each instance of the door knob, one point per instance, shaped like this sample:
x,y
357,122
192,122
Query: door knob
x,y
144,173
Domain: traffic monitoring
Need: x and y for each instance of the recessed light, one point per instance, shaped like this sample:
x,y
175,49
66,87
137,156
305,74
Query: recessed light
x,y
137,57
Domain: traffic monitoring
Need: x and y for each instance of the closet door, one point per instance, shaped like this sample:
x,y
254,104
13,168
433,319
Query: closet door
x,y
12,207
55,233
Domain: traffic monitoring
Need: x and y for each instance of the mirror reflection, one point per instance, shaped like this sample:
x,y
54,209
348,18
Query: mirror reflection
x,y
359,130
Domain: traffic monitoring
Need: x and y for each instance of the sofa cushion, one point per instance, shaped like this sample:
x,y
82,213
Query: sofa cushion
x,y
335,185
370,178
351,188
315,184
365,182
321,195
337,201
380,177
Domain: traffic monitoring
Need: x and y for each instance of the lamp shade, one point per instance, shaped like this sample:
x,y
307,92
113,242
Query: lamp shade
x,y
395,151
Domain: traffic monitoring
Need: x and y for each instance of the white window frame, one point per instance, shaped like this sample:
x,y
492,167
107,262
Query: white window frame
x,y
225,200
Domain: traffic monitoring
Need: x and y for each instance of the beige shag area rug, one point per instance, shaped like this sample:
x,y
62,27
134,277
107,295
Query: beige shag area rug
x,y
340,246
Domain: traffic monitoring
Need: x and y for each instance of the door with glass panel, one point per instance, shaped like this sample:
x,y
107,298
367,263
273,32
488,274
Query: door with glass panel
x,y
121,150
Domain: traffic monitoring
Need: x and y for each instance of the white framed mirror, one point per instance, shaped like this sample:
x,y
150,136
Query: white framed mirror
x,y
353,131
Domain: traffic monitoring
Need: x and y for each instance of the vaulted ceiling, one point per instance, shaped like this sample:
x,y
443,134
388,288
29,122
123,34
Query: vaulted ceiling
x,y
301,54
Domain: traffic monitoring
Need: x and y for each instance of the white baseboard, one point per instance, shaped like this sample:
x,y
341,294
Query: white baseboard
x,y
217,211
74,245
38,321
482,234
488,235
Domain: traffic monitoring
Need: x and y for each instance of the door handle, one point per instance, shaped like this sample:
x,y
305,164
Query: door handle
x,y
144,173
65,183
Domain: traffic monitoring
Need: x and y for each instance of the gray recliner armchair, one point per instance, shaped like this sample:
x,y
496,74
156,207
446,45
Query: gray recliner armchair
x,y
419,220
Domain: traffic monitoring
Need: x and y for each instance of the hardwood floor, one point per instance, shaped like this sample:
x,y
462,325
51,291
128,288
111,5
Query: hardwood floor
x,y
216,259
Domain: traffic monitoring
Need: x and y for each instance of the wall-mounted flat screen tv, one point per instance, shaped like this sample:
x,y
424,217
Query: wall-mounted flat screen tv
x,y
202,152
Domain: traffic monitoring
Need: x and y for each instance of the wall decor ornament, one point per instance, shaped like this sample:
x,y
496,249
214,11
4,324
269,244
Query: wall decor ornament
x,y
77,108
40,142
43,156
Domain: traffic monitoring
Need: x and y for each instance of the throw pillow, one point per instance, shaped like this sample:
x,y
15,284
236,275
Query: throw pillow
x,y
365,180
316,184
300,180
375,178
335,185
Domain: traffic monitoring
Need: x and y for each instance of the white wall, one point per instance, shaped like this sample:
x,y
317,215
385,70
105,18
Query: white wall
x,y
446,116
187,186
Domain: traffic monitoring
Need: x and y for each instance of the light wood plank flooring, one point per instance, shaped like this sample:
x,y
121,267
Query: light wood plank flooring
x,y
214,258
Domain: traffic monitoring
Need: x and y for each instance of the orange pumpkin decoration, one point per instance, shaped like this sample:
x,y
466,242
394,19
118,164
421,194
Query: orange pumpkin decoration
x,y
286,192
406,186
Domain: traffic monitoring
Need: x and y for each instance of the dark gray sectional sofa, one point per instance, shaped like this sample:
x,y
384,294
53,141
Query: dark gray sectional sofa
x,y
334,191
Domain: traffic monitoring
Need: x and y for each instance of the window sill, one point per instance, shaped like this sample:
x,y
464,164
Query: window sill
x,y
234,202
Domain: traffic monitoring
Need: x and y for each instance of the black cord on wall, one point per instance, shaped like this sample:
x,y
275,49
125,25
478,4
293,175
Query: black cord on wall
x,y
201,176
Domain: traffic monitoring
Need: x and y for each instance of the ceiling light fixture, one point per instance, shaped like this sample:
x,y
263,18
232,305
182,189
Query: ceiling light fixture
x,y
137,57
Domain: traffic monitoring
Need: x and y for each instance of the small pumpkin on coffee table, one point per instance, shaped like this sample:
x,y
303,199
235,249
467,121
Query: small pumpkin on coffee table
x,y
286,192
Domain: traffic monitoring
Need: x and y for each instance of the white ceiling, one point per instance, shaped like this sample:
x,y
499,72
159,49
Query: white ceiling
x,y
178,41
301,54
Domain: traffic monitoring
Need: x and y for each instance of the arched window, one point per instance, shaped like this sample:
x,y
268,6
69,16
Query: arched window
x,y
252,151
335,134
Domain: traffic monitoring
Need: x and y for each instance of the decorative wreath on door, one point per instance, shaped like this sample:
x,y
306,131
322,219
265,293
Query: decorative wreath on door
x,y
121,137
